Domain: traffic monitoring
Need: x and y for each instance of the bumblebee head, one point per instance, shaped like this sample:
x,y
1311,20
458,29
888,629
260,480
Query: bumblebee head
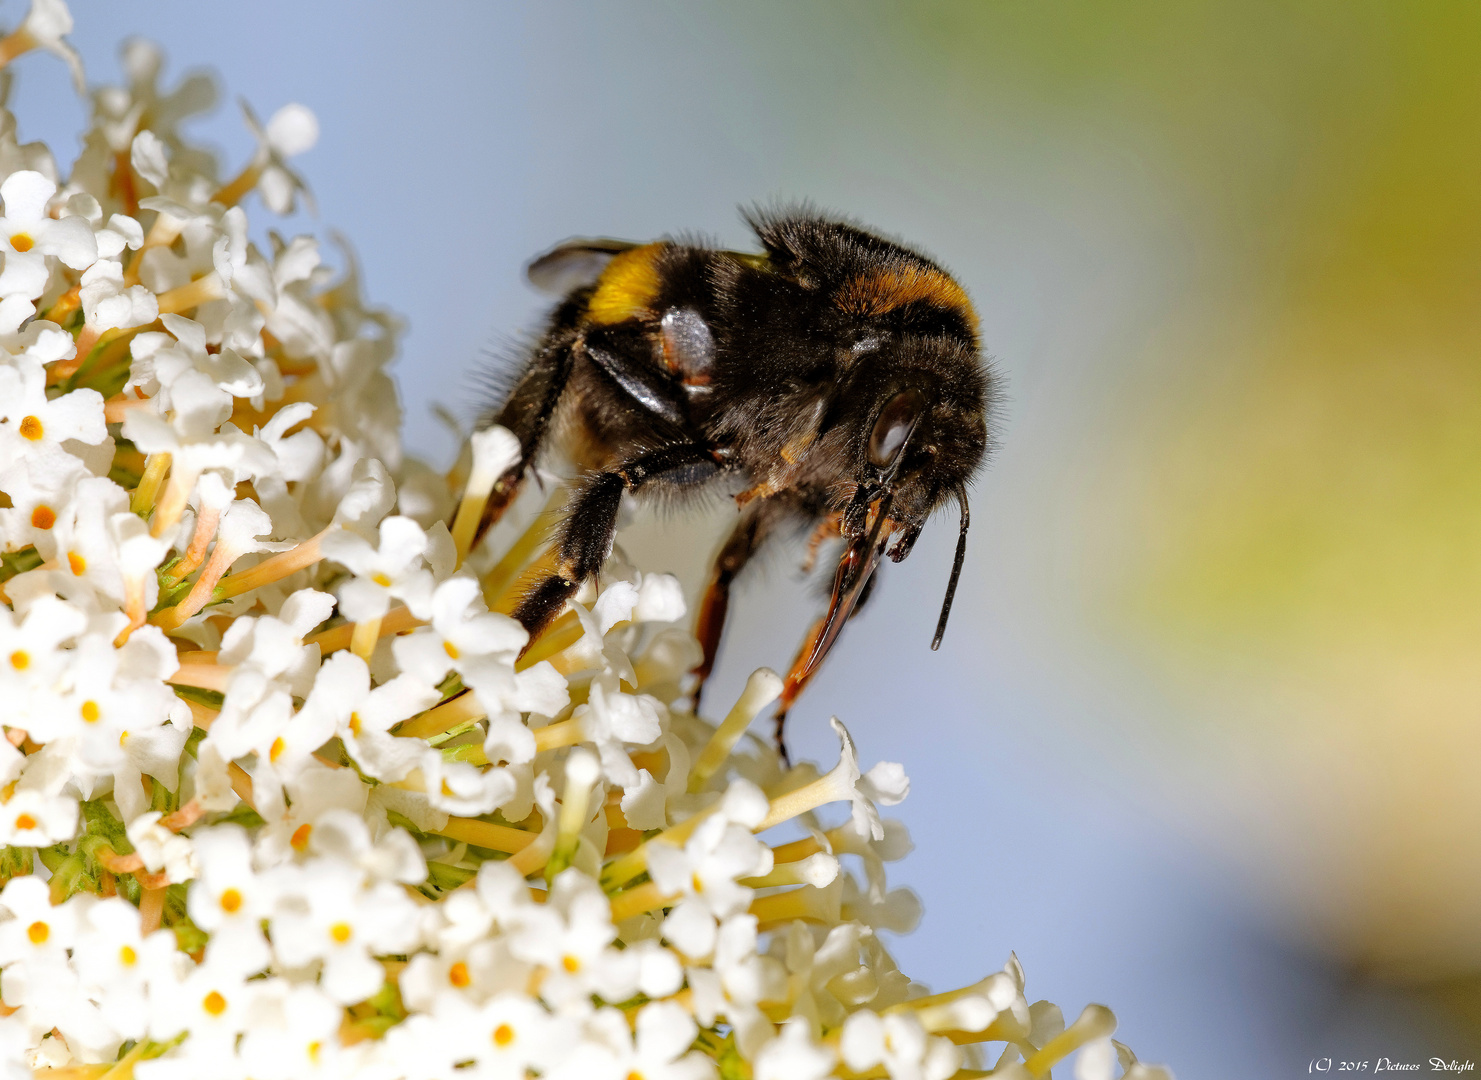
x,y
918,432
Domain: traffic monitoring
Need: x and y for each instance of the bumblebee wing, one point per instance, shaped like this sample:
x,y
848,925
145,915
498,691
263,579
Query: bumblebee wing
x,y
573,264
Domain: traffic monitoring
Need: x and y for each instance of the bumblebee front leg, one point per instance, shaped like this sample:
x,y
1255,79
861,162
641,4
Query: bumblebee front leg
x,y
527,414
798,676
585,538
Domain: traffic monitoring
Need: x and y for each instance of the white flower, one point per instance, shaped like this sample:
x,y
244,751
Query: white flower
x,y
509,1035
32,424
899,1043
108,302
36,819
36,931
393,569
392,856
300,1040
291,131
214,1003
118,963
46,25
705,872
30,235
161,849
613,720
327,912
571,935
342,703
793,1055
230,900
31,661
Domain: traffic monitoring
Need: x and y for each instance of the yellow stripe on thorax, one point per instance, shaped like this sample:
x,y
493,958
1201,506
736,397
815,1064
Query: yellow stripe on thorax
x,y
627,286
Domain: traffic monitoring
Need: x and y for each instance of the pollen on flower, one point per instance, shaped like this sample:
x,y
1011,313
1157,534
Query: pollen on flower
x,y
299,841
32,428
90,711
451,650
276,750
22,242
381,578
231,901
127,956
25,822
38,932
340,932
503,1035
458,975
43,517
571,964
214,1003
20,659
76,563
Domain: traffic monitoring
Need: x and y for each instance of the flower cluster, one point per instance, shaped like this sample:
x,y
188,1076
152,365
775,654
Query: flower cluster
x,y
283,790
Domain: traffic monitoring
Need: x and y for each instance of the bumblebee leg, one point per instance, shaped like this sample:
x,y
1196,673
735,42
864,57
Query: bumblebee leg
x,y
527,414
796,681
758,520
585,537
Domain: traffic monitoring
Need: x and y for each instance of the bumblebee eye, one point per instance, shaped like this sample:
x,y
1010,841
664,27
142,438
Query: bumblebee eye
x,y
896,420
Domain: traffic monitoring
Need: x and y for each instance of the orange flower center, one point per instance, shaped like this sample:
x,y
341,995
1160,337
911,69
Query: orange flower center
x,y
22,242
503,1035
76,563
24,822
127,957
20,659
31,427
276,750
231,901
214,1003
90,711
381,579
299,841
451,650
43,517
340,932
571,964
458,975
38,932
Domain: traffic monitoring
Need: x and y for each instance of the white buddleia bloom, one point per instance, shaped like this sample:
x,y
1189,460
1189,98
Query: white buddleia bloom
x,y
285,791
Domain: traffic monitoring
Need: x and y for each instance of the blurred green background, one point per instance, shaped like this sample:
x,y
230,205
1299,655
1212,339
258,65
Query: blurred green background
x,y
1203,740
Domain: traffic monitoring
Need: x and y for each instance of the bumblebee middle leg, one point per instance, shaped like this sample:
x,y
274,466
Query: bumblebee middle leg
x,y
585,537
758,520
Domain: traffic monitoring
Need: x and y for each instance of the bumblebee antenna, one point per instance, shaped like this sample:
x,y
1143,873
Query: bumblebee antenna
x,y
956,571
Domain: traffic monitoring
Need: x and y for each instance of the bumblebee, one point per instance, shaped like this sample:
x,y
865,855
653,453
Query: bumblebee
x,y
836,378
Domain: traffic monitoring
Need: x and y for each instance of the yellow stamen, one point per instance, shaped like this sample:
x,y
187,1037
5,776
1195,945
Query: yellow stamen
x,y
155,468
762,688
1095,1022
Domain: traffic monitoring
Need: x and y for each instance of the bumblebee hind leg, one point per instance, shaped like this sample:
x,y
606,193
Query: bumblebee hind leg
x,y
585,537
